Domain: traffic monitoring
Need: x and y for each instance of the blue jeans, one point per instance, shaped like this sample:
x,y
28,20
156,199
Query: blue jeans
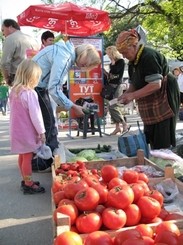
x,y
3,104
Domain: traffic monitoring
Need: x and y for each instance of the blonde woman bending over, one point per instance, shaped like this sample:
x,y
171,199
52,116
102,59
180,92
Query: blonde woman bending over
x,y
55,62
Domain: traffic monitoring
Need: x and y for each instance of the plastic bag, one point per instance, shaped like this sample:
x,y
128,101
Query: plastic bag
x,y
150,171
112,155
60,151
168,189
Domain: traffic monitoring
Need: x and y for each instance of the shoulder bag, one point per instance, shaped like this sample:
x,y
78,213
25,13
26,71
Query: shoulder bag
x,y
129,145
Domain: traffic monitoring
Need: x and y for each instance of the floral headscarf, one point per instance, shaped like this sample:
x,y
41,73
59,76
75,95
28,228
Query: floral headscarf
x,y
126,39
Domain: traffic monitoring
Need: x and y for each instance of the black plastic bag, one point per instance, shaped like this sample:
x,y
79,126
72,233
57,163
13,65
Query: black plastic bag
x,y
108,92
41,165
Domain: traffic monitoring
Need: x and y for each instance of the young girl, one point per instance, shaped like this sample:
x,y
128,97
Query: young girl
x,y
27,131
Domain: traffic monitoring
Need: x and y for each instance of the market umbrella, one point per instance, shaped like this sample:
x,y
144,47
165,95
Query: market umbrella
x,y
67,18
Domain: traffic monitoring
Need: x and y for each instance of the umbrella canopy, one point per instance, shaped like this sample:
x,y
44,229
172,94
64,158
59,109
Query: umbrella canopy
x,y
67,18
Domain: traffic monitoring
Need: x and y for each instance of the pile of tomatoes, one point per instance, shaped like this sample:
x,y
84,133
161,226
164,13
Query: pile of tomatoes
x,y
165,233
77,168
99,202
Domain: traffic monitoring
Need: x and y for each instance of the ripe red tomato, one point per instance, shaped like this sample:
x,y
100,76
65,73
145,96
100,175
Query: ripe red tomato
x,y
180,239
113,218
87,199
150,221
130,176
144,185
168,226
58,196
166,237
163,213
72,179
103,193
149,207
65,201
100,208
122,236
156,195
72,188
98,238
133,215
115,182
68,238
134,241
145,230
57,186
91,180
88,222
73,228
144,177
120,197
68,209
173,216
156,220
138,191
160,243
148,240
109,172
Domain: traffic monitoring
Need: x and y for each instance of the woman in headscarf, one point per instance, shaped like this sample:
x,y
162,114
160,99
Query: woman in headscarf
x,y
153,87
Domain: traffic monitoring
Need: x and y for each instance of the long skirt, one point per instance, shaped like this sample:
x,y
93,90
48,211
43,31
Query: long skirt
x,y
163,134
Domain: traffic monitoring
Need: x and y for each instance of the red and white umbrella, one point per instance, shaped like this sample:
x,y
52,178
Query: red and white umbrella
x,y
67,18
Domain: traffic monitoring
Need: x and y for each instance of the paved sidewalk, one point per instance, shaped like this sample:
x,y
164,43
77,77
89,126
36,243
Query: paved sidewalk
x,y
27,219
24,219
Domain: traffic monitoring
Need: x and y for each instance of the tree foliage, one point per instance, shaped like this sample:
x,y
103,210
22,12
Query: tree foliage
x,y
162,19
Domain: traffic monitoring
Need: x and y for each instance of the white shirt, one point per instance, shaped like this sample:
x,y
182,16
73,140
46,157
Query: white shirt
x,y
180,82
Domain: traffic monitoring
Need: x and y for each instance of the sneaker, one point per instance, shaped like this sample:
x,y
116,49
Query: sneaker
x,y
32,190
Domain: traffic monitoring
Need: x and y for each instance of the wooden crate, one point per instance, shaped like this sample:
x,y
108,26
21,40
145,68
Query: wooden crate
x,y
128,162
63,223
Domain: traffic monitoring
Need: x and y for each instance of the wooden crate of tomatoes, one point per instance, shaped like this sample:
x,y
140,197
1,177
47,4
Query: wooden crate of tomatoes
x,y
61,170
99,204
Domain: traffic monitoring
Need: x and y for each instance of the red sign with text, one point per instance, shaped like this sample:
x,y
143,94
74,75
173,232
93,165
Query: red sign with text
x,y
87,84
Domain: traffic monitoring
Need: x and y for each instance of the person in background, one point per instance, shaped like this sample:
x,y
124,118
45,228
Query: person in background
x,y
176,72
4,94
14,48
180,84
27,131
153,87
55,61
114,78
47,38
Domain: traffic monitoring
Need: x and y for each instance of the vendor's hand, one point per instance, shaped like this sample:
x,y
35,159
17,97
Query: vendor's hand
x,y
66,38
78,110
42,138
126,98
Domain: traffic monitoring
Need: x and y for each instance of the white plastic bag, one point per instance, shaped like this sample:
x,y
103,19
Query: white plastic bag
x,y
168,189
